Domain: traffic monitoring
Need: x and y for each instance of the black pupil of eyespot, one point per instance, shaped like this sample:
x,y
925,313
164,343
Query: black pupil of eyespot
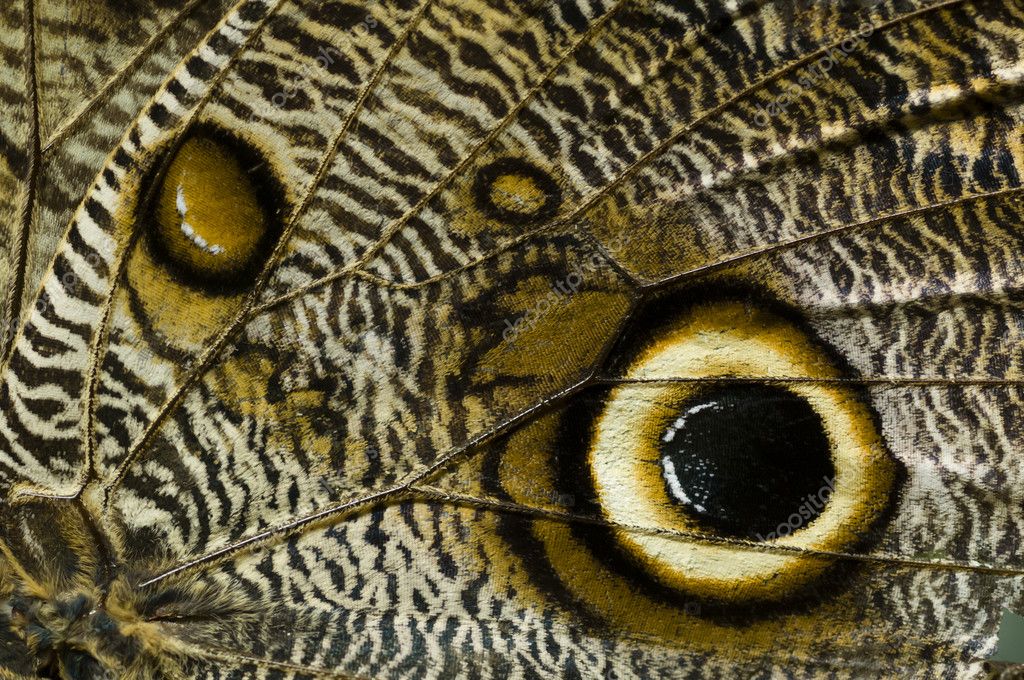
x,y
748,461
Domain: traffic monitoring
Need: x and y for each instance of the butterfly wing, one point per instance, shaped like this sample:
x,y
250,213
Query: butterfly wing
x,y
14,131
364,456
73,83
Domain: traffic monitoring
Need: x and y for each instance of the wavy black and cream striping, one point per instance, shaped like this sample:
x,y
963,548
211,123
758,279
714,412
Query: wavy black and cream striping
x,y
375,452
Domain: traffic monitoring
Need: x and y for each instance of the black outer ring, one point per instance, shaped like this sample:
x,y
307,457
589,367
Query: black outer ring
x,y
488,174
269,196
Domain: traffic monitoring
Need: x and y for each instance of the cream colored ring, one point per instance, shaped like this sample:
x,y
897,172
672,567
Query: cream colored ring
x,y
730,339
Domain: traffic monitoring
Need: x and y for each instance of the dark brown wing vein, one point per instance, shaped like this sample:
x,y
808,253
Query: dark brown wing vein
x,y
403,488
875,221
75,119
241,660
618,181
396,490
498,505
593,30
239,321
15,293
894,382
843,228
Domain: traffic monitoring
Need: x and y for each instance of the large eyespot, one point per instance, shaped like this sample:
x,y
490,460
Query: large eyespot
x,y
209,216
790,458
212,219
718,469
515,191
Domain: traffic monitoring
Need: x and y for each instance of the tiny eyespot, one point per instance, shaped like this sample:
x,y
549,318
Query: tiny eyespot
x,y
516,191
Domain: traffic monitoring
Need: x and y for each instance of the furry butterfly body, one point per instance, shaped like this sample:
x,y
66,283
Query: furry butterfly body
x,y
484,339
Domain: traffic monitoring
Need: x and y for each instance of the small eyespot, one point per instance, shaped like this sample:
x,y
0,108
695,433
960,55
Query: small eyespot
x,y
515,191
212,219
